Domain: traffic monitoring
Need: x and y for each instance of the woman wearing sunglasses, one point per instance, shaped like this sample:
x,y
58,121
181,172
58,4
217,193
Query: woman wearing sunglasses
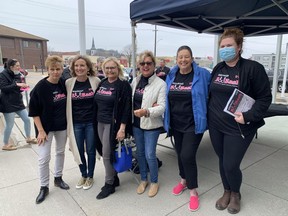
x,y
148,105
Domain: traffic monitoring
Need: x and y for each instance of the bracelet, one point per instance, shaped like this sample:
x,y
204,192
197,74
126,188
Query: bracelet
x,y
147,113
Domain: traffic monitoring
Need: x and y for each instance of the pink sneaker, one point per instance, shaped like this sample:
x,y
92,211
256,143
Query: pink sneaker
x,y
194,203
178,189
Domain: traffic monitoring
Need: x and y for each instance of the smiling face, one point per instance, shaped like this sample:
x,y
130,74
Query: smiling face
x,y
111,70
81,69
147,67
184,60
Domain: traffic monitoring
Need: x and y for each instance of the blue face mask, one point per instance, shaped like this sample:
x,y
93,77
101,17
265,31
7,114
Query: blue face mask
x,y
227,53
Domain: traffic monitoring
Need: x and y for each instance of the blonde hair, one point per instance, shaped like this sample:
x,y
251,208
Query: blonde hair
x,y
54,60
113,59
145,54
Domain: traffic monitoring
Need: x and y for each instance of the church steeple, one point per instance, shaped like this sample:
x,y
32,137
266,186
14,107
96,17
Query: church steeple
x,y
93,48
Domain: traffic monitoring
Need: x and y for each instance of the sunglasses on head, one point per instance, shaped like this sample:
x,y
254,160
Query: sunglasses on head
x,y
147,63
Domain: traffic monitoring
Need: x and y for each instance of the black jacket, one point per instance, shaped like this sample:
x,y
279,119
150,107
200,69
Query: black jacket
x,y
11,97
122,113
254,82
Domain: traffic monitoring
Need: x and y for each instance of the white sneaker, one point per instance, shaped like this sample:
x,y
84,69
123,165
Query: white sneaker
x,y
88,184
81,183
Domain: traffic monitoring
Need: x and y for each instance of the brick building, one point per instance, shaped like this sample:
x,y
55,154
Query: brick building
x,y
30,50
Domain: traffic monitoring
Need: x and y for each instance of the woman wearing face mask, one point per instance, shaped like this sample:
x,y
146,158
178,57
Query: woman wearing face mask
x,y
231,136
12,102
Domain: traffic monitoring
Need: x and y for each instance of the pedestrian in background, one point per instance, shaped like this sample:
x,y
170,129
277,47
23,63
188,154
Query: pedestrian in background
x,y
162,71
11,87
231,136
148,105
48,108
80,93
67,71
112,116
185,118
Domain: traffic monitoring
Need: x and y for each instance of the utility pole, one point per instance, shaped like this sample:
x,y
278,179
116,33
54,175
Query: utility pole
x,y
155,41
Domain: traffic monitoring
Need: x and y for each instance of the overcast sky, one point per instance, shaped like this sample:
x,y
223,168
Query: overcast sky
x,y
107,21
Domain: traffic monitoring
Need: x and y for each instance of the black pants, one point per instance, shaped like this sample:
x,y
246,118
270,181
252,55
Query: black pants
x,y
186,145
230,151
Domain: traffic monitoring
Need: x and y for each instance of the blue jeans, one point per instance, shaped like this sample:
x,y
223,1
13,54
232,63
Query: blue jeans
x,y
84,133
9,119
146,142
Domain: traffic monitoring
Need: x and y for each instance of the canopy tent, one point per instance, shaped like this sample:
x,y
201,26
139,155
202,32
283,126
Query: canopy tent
x,y
254,17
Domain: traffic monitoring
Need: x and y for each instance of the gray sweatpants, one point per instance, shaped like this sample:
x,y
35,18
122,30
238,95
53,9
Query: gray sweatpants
x,y
45,156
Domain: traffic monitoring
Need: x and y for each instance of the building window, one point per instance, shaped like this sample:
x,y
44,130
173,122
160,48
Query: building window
x,y
25,44
38,45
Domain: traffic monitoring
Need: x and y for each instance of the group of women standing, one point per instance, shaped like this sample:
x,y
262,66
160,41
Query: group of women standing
x,y
102,113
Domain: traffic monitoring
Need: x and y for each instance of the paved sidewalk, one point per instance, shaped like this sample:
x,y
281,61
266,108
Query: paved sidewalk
x,y
264,190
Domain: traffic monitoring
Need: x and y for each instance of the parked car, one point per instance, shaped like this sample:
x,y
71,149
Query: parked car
x,y
270,74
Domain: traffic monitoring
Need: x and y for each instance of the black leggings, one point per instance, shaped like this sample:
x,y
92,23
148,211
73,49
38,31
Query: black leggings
x,y
186,145
230,151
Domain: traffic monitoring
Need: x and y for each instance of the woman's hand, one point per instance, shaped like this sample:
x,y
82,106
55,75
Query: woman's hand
x,y
140,113
120,135
22,85
42,137
239,118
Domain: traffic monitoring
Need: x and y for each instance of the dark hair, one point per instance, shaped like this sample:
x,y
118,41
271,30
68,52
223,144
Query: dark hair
x,y
90,72
184,47
10,63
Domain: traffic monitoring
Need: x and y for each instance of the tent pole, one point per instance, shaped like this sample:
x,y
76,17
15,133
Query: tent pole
x,y
133,26
276,67
285,74
216,58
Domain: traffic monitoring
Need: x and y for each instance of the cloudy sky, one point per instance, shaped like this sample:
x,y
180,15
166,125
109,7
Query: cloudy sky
x,y
109,24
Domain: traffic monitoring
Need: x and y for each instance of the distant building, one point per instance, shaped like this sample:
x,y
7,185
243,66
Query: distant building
x,y
268,60
93,51
28,49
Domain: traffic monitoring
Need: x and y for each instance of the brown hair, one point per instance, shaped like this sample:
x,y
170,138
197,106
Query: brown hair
x,y
54,60
236,33
89,64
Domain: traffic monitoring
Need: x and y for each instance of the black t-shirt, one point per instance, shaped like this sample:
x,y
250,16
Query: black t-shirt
x,y
138,95
105,99
59,107
180,102
82,102
221,88
162,72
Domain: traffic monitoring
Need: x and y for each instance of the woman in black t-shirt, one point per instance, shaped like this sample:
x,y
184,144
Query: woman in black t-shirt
x,y
48,109
232,135
112,115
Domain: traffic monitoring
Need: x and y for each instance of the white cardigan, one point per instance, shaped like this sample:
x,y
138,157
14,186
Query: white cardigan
x,y
94,82
154,92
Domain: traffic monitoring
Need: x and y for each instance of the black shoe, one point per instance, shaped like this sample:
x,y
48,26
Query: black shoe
x,y
58,182
116,182
44,191
106,191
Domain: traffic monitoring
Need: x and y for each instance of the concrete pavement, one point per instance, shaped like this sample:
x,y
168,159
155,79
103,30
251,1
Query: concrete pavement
x,y
264,190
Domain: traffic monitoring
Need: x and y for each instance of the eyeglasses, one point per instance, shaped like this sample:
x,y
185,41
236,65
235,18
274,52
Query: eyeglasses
x,y
110,68
147,63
